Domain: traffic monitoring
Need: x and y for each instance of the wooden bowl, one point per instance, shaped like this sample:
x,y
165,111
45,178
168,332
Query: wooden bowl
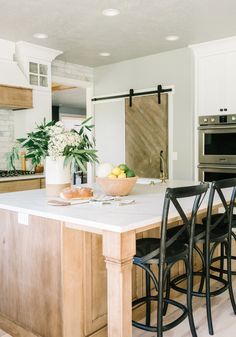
x,y
116,186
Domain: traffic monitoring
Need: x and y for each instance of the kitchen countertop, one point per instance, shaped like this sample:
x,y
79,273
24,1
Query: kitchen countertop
x,y
146,210
22,177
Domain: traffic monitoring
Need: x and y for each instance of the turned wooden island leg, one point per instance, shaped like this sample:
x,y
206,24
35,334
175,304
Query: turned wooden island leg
x,y
119,249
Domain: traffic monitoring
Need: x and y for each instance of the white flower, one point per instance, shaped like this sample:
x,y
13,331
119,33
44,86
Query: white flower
x,y
58,142
56,129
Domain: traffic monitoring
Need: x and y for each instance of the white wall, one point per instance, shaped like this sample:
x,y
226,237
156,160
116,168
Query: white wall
x,y
26,120
169,68
110,132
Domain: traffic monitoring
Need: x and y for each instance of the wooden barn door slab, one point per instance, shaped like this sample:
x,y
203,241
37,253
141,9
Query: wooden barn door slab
x,y
146,134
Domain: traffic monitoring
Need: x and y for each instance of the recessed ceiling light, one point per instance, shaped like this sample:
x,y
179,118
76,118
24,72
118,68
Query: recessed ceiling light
x,y
172,38
40,36
111,12
104,54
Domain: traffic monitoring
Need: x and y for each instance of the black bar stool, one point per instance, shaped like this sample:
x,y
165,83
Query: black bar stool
x,y
213,232
224,222
165,253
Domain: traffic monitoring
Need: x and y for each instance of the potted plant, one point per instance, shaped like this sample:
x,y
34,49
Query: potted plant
x,y
61,150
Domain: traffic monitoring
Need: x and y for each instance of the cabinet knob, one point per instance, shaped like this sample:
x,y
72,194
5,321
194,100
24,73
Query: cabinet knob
x,y
225,109
221,110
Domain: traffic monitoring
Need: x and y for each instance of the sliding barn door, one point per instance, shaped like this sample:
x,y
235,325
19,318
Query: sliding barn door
x,y
146,134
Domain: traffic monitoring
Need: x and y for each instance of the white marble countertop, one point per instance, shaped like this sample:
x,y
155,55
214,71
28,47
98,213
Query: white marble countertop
x,y
23,177
94,217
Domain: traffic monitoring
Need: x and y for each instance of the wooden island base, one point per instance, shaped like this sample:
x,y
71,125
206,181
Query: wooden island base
x,y
53,278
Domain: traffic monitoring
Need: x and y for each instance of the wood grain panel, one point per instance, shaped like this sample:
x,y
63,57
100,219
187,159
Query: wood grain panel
x,y
15,97
118,250
13,329
19,185
54,287
146,134
95,279
74,290
42,183
30,273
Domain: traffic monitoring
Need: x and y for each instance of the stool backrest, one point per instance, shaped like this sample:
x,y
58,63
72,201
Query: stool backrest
x,y
217,188
172,196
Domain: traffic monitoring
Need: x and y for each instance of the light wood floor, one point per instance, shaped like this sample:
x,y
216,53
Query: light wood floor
x,y
223,318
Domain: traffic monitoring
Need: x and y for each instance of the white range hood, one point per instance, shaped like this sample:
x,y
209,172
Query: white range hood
x,y
10,73
15,91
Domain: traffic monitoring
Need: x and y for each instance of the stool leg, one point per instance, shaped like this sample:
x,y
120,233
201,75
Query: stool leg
x,y
165,307
148,294
208,291
200,289
231,293
160,300
189,272
233,272
221,260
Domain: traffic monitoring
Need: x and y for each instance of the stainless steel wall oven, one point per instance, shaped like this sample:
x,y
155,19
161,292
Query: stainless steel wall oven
x,y
217,147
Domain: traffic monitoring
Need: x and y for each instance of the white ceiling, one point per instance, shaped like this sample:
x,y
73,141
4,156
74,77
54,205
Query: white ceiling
x,y
74,98
78,28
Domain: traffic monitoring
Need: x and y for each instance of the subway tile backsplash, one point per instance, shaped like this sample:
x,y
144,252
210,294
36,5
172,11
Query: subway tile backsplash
x,y
6,135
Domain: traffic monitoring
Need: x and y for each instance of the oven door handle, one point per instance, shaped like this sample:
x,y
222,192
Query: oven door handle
x,y
215,127
216,167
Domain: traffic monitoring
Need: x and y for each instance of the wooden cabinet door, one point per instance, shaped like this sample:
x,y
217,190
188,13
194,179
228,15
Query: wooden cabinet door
x,y
211,84
19,185
95,284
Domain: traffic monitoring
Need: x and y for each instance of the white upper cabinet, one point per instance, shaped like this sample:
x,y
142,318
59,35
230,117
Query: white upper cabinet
x,y
211,85
215,77
230,85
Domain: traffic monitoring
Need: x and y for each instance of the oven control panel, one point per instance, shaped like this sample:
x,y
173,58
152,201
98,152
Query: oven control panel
x,y
217,120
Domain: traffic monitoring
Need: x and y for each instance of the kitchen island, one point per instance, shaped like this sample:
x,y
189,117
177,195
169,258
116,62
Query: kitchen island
x,y
67,271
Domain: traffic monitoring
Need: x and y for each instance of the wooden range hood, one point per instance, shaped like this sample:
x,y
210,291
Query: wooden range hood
x,y
15,98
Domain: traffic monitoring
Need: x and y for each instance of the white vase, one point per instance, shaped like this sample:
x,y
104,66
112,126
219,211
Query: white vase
x,y
57,176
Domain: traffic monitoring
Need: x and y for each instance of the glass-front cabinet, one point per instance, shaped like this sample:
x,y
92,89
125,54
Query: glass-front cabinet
x,y
38,74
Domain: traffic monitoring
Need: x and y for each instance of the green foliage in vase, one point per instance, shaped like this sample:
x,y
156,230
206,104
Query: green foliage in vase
x,y
85,151
11,157
51,139
36,142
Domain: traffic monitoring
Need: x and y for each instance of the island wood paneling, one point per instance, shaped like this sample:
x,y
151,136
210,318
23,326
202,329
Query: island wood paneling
x,y
146,134
73,286
53,279
95,278
30,273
